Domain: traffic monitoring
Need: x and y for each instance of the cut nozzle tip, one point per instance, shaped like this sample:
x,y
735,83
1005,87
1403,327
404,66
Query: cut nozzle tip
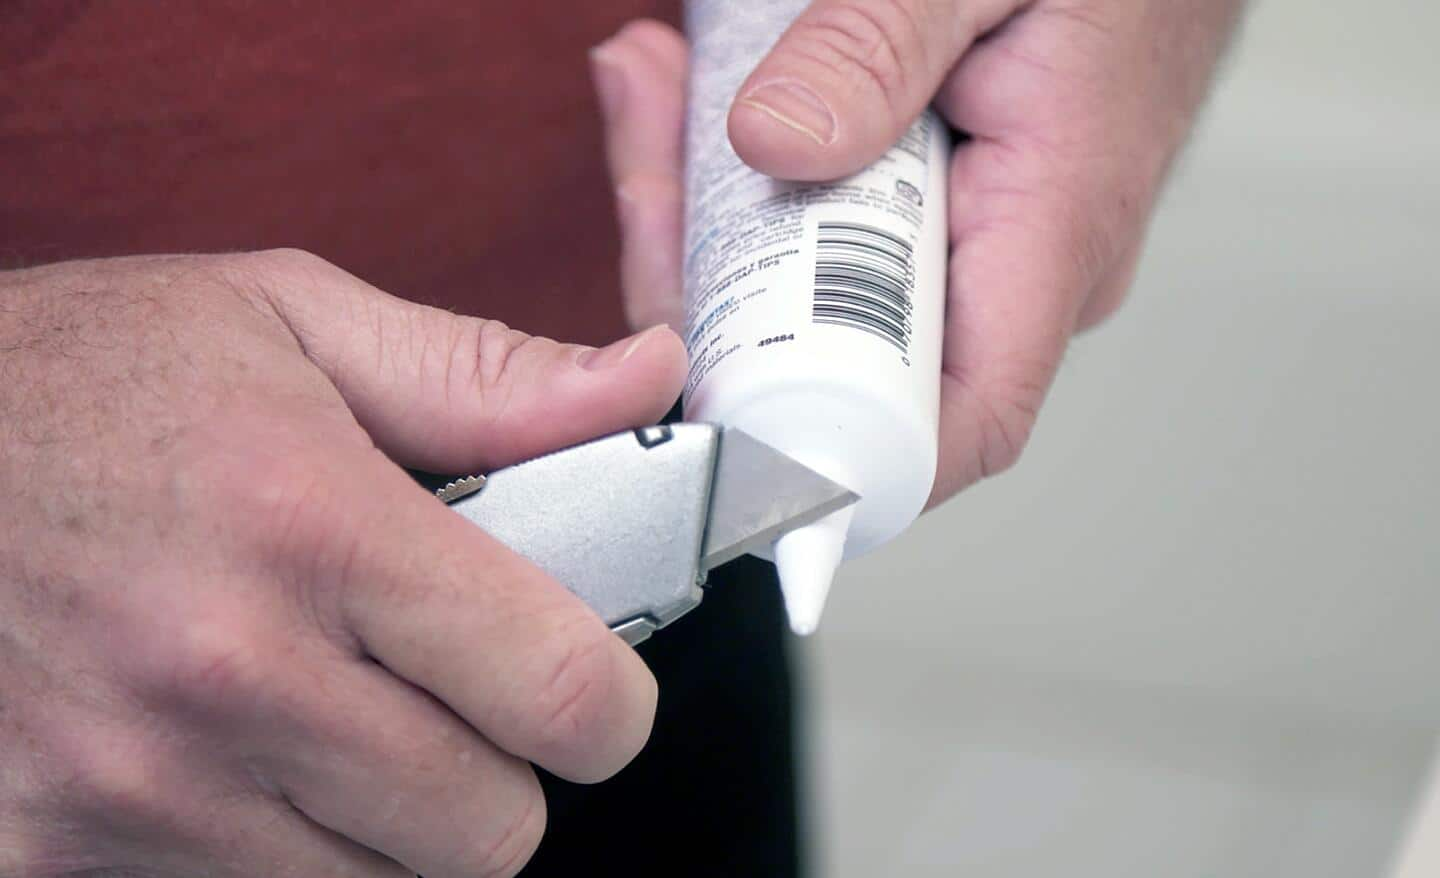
x,y
804,627
806,560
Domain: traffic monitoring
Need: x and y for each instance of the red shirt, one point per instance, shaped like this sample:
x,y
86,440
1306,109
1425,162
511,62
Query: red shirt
x,y
446,151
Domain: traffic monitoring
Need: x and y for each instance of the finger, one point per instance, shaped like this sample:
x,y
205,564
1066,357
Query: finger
x,y
1026,253
1107,298
846,80
381,762
639,78
447,393
388,685
441,604
1068,109
269,837
183,806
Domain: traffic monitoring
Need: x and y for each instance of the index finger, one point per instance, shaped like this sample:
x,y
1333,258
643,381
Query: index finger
x,y
446,607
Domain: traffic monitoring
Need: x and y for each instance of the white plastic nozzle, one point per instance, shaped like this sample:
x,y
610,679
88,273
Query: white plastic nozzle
x,y
806,559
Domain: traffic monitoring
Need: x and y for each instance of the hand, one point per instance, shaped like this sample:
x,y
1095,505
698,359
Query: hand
x,y
1073,109
235,637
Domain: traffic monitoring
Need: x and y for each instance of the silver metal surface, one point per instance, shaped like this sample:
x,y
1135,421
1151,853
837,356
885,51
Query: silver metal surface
x,y
622,521
759,495
619,520
636,631
460,488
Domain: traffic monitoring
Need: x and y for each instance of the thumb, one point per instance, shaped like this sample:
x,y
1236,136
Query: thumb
x,y
449,393
846,80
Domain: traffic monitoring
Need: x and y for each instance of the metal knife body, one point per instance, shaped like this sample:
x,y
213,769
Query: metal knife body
x,y
633,522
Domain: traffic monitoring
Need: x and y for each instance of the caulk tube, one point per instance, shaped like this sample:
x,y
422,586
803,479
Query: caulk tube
x,y
814,311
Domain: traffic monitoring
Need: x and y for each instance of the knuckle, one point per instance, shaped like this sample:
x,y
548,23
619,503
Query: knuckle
x,y
1108,206
112,781
278,501
874,41
283,261
30,845
506,853
268,279
571,703
1080,18
1104,304
112,776
259,272
647,31
215,668
1007,409
491,346
498,358
655,191
18,858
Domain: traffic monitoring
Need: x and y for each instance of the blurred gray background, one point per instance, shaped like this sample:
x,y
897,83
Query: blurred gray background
x,y
1194,633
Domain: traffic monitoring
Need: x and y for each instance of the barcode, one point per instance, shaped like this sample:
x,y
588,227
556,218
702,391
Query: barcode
x,y
864,277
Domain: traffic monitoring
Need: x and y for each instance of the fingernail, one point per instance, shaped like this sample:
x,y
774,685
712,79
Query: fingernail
x,y
609,80
613,355
796,105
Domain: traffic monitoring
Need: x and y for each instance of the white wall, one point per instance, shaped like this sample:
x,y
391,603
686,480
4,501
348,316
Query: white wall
x,y
1194,633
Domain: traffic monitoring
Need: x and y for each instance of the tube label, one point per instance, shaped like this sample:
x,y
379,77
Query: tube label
x,y
766,261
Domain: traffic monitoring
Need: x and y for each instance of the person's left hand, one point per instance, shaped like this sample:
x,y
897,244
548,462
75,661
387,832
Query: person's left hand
x,y
1073,109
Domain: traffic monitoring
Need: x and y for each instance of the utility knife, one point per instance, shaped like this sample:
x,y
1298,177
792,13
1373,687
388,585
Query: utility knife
x,y
632,523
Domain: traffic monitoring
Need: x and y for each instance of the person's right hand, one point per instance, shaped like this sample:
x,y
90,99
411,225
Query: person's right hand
x,y
235,637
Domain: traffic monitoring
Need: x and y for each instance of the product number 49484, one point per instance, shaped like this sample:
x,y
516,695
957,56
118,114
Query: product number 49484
x,y
776,339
